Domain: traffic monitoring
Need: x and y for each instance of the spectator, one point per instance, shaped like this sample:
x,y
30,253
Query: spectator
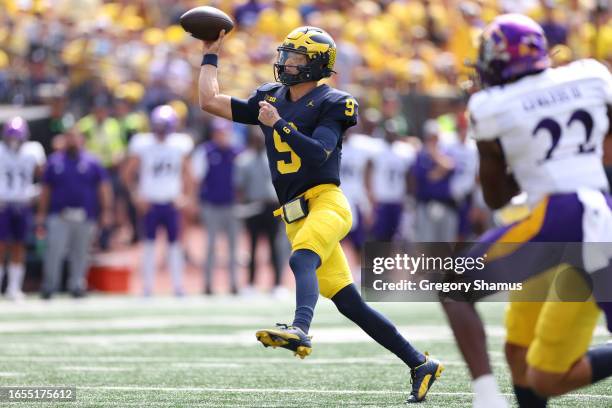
x,y
213,167
76,192
254,183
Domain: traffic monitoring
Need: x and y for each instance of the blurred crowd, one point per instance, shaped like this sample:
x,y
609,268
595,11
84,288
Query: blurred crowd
x,y
100,67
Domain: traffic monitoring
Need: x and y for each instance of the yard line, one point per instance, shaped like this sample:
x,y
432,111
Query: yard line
x,y
94,368
4,374
299,391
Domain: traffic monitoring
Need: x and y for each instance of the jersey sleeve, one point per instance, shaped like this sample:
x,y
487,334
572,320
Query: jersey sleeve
x,y
137,144
37,151
600,71
342,110
484,124
247,110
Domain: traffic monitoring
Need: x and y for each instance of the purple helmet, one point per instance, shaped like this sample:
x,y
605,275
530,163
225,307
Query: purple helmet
x,y
164,120
511,46
16,129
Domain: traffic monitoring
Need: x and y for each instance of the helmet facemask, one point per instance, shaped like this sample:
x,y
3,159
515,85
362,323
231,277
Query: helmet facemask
x,y
315,68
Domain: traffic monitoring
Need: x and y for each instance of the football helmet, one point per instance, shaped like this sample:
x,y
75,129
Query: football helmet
x,y
164,120
511,46
15,132
319,49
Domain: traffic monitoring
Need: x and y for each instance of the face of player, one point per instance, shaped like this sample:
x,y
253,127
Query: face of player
x,y
291,60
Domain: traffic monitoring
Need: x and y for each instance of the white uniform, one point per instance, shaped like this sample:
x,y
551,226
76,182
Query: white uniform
x,y
551,127
17,171
356,153
160,165
390,166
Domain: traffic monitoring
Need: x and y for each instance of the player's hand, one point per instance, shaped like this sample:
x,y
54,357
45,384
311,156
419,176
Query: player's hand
x,y
40,229
106,219
141,205
268,115
213,47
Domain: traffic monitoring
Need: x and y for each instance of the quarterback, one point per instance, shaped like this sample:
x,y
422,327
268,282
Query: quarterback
x,y
539,130
303,123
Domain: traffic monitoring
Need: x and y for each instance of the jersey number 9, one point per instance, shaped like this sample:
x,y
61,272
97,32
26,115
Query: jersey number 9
x,y
294,164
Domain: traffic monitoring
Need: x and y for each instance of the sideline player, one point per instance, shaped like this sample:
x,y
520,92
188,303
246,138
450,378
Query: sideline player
x,y
303,122
160,158
540,130
20,161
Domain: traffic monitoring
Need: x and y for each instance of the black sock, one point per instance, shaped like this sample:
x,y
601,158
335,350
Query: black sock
x,y
527,398
350,304
601,361
304,264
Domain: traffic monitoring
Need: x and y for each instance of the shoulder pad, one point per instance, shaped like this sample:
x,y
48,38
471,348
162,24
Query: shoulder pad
x,y
269,86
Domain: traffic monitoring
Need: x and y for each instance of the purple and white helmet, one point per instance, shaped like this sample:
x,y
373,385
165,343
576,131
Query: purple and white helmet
x,y
511,46
164,120
16,130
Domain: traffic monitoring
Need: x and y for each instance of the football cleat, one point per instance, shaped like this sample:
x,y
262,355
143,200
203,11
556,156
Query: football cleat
x,y
288,337
422,378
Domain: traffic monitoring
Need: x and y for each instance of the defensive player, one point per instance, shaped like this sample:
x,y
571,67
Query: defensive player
x,y
540,130
160,158
20,160
303,123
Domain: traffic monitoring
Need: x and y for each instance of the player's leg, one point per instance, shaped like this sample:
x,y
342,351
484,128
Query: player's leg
x,y
313,239
150,221
210,217
271,229
521,320
558,362
20,225
57,247
252,226
232,227
81,237
176,261
4,239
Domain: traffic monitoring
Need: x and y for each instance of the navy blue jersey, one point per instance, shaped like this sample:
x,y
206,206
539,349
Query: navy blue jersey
x,y
322,106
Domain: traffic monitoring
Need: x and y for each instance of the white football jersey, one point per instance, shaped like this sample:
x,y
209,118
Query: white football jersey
x,y
551,127
161,164
17,171
391,164
356,153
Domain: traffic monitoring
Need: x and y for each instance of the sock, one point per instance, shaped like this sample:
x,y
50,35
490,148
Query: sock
x,y
350,304
485,385
304,264
601,362
176,265
148,266
527,398
15,278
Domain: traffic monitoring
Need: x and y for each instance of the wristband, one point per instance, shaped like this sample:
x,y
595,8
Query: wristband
x,y
210,59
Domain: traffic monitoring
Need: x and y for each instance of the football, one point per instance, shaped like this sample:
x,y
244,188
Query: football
x,y
205,23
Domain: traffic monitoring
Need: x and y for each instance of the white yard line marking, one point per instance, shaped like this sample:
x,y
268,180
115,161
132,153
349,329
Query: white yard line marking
x,y
4,374
94,368
297,391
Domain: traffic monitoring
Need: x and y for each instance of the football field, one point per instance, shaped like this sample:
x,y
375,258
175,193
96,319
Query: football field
x,y
202,352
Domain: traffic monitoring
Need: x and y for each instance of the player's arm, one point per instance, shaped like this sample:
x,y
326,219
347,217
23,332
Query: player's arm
x,y
211,100
128,174
498,185
315,149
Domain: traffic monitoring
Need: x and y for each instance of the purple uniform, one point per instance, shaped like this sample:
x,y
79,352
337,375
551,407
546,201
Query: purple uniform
x,y
74,183
164,215
15,221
